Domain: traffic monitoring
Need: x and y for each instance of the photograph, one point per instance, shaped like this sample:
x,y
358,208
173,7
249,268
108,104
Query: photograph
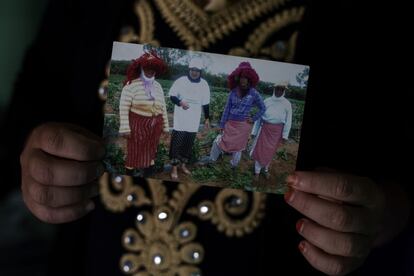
x,y
210,119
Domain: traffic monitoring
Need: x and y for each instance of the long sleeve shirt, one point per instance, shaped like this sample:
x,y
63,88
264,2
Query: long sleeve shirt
x,y
238,109
134,99
196,94
278,111
206,107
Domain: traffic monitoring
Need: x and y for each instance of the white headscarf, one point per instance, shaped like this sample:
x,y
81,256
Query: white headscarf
x,y
148,84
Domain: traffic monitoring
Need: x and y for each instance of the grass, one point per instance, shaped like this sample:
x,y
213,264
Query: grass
x,y
223,173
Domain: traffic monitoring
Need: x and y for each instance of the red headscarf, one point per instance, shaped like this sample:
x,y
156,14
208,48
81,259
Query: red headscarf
x,y
148,61
243,70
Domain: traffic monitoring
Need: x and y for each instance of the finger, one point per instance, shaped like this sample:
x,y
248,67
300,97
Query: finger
x,y
326,263
59,215
50,170
347,188
336,217
334,242
82,131
53,196
71,143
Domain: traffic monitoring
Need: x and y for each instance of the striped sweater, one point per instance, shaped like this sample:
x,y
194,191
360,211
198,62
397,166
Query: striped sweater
x,y
134,99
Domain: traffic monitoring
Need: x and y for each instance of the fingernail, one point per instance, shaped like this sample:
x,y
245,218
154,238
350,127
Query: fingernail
x,y
290,195
302,247
299,226
90,206
292,180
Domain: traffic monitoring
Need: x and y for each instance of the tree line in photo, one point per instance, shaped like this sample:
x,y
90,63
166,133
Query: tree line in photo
x,y
217,81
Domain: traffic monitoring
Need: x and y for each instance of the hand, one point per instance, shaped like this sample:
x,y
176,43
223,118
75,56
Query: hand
x,y
207,124
60,165
250,120
344,216
164,135
184,105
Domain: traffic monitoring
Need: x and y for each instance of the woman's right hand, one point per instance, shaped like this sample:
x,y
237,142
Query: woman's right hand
x,y
184,105
60,165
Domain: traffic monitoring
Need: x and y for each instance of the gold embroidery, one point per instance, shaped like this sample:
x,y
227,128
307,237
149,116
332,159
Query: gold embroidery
x,y
125,193
147,25
160,250
282,50
177,15
162,244
179,27
256,41
128,35
216,5
158,193
182,195
103,90
227,208
199,30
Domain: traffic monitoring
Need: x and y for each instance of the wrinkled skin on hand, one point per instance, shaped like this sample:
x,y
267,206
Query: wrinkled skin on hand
x,y
60,165
343,216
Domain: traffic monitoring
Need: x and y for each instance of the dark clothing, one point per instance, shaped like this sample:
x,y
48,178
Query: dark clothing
x,y
206,110
175,100
181,146
354,52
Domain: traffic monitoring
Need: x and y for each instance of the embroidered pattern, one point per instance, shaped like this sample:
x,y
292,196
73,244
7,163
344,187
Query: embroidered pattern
x,y
198,29
226,211
256,41
146,22
163,244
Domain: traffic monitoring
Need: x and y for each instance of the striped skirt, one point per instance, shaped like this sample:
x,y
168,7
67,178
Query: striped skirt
x,y
235,136
143,142
181,146
266,143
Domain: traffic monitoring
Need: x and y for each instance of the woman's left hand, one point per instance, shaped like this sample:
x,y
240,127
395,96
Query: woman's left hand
x,y
343,218
165,135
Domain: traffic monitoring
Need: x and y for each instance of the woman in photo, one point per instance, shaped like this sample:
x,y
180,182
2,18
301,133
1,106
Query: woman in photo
x,y
236,121
190,95
142,111
271,129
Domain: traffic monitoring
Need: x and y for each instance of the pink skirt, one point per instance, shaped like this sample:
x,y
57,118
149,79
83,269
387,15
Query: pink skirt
x,y
267,143
143,143
235,136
